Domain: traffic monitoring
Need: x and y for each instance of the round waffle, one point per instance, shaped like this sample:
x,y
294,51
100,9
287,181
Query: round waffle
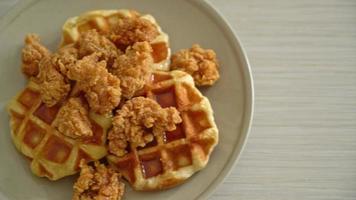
x,y
103,20
172,158
52,155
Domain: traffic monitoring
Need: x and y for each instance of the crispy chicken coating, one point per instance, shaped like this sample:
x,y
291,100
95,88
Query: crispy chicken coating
x,y
32,54
53,85
92,42
131,30
65,58
198,62
102,89
73,119
133,68
98,183
138,121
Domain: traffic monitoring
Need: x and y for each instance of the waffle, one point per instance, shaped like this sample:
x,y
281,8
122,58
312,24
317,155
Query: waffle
x,y
52,155
102,20
172,158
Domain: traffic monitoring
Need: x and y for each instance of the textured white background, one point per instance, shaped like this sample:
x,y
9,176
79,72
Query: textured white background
x,y
303,139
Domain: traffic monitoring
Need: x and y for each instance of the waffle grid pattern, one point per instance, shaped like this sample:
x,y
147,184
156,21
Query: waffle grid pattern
x,y
169,160
52,155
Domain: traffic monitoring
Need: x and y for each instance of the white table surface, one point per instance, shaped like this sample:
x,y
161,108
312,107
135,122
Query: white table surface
x,y
303,140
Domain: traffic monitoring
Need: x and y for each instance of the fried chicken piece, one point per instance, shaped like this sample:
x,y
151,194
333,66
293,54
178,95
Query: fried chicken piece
x,y
65,58
32,54
131,30
73,119
136,121
102,89
53,85
98,183
133,68
92,42
198,62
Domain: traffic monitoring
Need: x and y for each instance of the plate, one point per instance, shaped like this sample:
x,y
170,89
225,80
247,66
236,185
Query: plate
x,y
186,22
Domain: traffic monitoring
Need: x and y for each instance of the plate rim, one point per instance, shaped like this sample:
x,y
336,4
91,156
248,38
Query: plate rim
x,y
240,51
247,119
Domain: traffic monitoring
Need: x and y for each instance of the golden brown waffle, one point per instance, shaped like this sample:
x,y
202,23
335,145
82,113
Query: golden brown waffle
x,y
103,20
52,155
174,157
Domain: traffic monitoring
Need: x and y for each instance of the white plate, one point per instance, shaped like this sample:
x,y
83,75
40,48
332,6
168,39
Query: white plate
x,y
186,22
